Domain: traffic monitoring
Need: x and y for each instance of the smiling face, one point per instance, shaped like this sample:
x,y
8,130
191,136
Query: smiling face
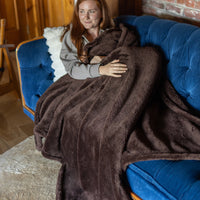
x,y
89,14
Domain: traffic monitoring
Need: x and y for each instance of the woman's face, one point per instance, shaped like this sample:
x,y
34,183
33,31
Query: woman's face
x,y
89,14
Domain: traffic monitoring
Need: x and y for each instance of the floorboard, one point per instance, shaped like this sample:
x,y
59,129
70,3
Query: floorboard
x,y
15,126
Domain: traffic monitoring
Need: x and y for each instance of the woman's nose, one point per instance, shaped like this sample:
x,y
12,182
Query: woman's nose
x,y
87,15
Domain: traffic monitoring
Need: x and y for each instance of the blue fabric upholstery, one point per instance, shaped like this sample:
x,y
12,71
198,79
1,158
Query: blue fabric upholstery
x,y
36,72
180,43
181,46
164,180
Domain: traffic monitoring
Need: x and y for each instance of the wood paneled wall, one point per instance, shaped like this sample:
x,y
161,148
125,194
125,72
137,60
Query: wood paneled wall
x,y
26,19
57,13
47,13
34,23
12,23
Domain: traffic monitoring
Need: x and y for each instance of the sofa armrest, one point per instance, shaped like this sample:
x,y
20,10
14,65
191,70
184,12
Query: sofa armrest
x,y
35,72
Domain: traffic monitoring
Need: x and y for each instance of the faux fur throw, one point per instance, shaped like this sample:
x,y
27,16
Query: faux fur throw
x,y
96,127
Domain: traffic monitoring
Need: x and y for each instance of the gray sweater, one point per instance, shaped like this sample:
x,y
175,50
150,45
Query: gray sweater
x,y
74,67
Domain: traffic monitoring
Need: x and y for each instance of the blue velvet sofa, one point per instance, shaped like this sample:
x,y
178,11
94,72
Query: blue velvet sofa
x,y
180,43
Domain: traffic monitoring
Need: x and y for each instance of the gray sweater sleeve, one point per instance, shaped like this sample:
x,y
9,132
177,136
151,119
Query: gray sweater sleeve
x,y
73,66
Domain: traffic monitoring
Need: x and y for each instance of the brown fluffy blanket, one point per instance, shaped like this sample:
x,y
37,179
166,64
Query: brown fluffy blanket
x,y
96,127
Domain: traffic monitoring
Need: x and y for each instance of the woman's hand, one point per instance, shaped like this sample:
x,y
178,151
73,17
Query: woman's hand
x,y
114,68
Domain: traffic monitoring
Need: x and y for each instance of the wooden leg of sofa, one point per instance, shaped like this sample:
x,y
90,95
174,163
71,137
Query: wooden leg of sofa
x,y
135,197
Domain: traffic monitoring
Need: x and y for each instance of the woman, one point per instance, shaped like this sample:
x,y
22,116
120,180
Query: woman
x,y
90,19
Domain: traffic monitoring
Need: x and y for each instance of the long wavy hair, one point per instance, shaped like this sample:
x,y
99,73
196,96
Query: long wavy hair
x,y
77,29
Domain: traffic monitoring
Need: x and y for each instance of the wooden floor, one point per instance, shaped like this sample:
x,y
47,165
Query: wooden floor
x,y
15,126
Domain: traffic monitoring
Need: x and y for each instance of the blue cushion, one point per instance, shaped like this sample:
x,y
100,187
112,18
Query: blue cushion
x,y
165,180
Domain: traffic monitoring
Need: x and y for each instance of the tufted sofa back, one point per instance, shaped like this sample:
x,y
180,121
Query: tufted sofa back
x,y
180,43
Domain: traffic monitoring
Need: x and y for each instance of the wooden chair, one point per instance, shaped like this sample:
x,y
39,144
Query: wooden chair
x,y
4,53
2,35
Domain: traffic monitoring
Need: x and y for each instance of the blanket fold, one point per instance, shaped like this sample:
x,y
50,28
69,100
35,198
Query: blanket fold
x,y
96,127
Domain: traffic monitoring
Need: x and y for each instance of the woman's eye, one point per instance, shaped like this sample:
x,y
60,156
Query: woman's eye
x,y
92,11
89,12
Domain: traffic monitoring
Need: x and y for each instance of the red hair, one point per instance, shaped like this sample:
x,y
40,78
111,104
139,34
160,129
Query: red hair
x,y
77,28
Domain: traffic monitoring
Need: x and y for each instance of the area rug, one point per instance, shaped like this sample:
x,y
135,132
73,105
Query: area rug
x,y
25,174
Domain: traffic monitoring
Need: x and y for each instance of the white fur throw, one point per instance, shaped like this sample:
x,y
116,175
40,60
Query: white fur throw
x,y
52,36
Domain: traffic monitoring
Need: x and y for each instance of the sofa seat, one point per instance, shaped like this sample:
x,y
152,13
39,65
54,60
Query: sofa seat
x,y
165,180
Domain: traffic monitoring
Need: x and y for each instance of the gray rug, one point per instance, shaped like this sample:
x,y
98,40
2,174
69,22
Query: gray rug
x,y
26,175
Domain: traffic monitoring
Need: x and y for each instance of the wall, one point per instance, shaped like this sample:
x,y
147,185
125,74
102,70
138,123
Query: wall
x,y
187,10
